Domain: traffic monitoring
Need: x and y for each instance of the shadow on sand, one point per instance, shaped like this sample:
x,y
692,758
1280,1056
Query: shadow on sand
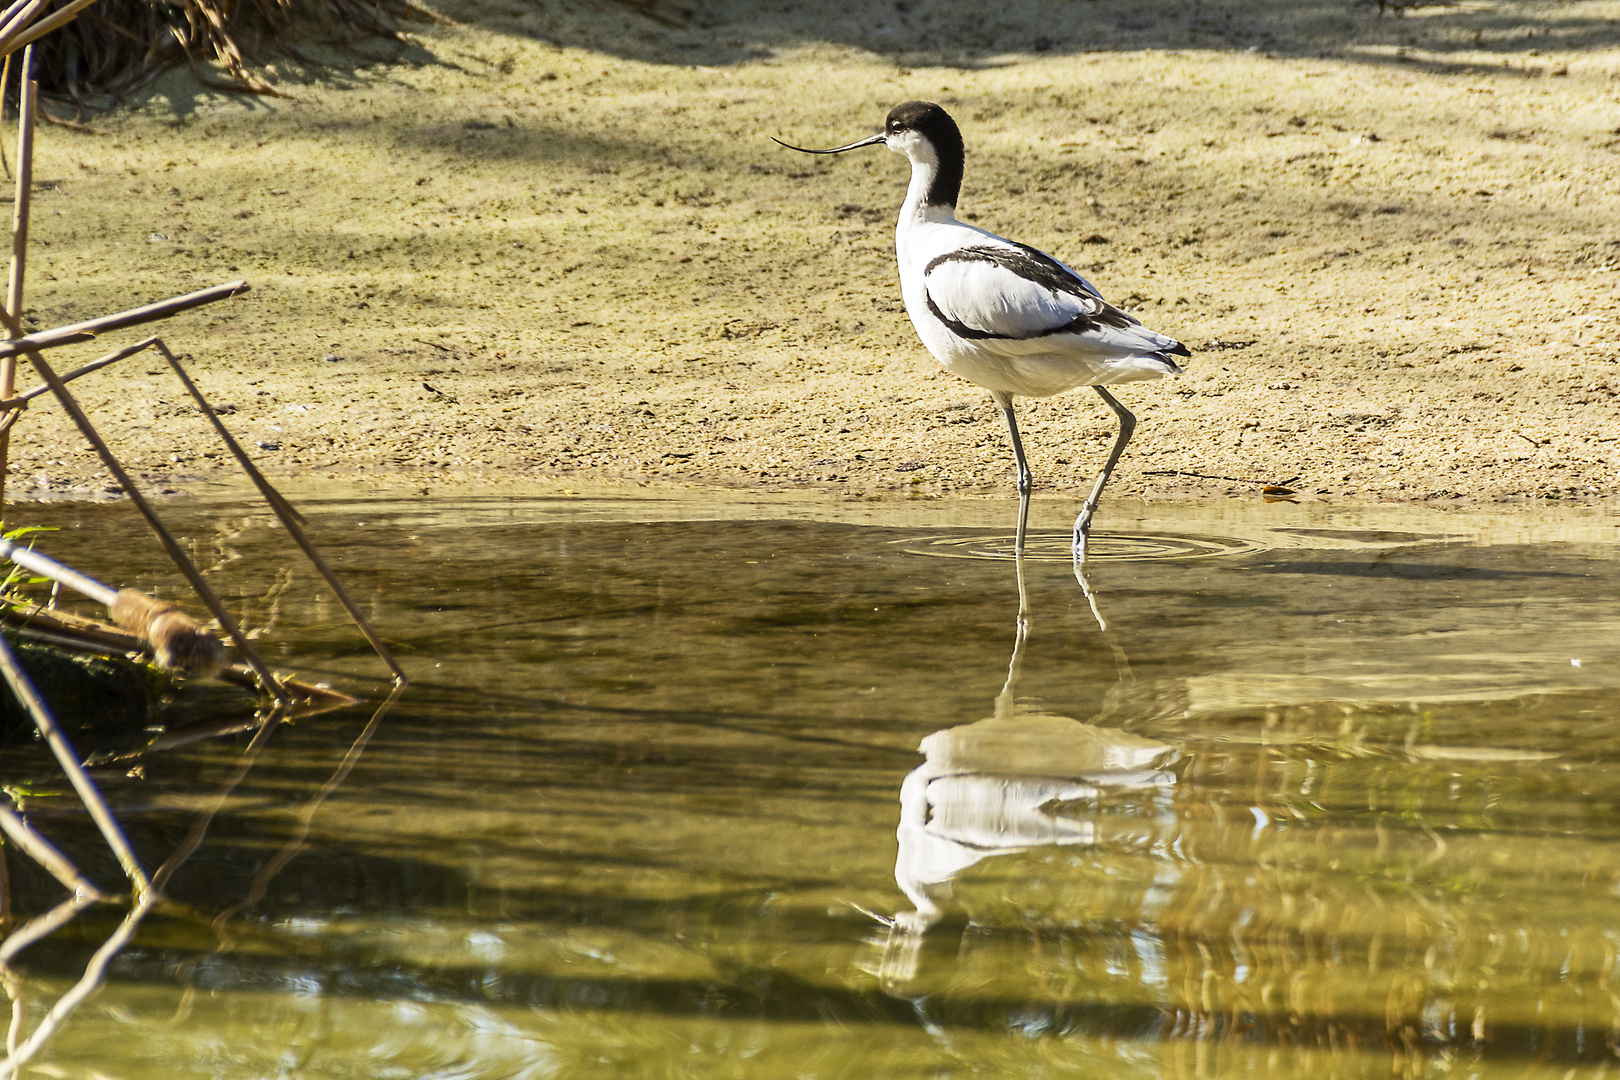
x,y
950,33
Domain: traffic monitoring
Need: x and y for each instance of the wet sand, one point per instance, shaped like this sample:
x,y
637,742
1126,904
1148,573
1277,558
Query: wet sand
x,y
556,247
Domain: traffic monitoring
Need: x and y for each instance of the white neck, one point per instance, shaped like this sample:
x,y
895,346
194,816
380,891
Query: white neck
x,y
924,170
916,210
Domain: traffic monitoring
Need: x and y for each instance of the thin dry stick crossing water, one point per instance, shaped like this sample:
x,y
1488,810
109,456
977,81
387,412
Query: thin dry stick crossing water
x,y
1332,795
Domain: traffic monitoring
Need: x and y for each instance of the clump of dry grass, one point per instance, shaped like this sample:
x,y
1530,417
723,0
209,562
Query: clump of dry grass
x,y
115,47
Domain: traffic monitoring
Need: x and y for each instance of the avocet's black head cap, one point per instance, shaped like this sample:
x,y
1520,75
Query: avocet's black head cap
x,y
934,124
925,118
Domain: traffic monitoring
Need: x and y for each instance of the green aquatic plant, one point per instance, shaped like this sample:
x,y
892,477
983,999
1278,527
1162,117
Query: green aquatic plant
x,y
17,579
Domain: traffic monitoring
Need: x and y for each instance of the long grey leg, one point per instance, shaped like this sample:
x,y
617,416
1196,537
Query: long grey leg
x,y
1025,481
1127,427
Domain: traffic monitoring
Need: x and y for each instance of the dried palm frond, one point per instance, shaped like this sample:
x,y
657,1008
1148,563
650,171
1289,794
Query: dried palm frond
x,y
114,47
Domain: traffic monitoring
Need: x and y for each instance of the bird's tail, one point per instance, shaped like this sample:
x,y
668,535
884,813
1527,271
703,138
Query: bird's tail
x,y
1170,366
1174,348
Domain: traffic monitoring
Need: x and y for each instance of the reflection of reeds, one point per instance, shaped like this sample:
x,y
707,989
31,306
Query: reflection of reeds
x,y
148,895
95,973
39,849
52,733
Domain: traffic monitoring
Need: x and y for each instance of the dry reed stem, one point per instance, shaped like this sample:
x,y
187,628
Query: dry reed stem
x,y
16,22
90,328
205,592
277,502
199,585
11,10
46,25
21,400
5,81
290,518
41,563
19,247
25,196
19,1015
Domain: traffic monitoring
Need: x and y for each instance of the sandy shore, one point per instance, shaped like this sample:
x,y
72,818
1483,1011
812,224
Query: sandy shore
x,y
556,245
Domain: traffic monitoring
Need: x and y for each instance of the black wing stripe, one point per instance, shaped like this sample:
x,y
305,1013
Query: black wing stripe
x,y
1033,266
1080,324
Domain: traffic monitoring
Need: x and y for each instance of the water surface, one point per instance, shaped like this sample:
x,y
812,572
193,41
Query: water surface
x,y
1314,791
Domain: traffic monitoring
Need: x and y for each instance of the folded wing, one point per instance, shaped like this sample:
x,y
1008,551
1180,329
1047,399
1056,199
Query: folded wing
x,y
1014,293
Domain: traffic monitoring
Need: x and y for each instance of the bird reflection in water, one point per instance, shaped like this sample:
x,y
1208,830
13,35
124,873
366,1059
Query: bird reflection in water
x,y
1000,786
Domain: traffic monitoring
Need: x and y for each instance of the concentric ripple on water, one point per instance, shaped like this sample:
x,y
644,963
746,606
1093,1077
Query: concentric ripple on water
x,y
1055,547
